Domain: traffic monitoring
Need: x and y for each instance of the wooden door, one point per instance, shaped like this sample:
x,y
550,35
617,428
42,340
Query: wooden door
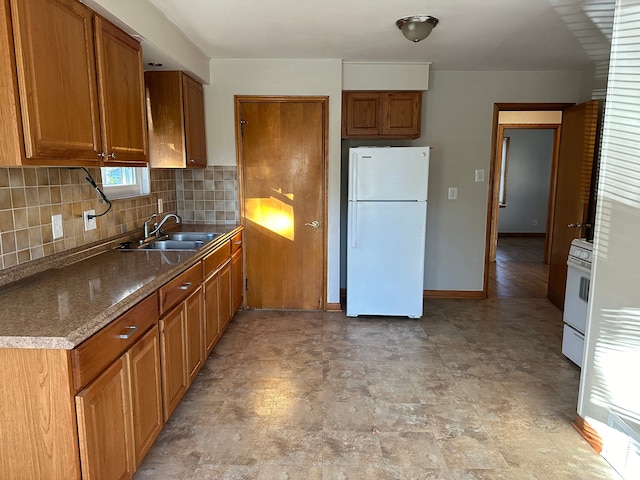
x,y
224,300
362,114
282,154
578,140
56,73
211,314
237,280
146,392
121,89
195,131
402,114
104,426
173,356
194,333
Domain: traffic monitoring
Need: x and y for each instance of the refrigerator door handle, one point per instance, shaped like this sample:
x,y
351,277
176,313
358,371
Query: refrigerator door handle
x,y
354,176
353,223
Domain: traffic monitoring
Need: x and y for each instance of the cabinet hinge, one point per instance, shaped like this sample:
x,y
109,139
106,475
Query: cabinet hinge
x,y
246,284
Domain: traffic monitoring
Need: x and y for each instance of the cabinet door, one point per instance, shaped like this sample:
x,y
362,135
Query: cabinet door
x,y
173,358
121,89
362,114
194,341
237,281
146,393
57,81
104,426
224,301
402,114
212,316
194,122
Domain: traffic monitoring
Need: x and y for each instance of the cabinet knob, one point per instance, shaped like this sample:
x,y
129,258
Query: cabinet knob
x,y
185,286
112,156
102,155
192,160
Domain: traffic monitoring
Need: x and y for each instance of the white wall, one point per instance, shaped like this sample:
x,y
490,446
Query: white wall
x,y
528,174
458,124
279,77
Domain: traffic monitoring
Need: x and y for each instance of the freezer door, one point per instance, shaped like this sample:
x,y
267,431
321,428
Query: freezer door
x,y
385,258
391,173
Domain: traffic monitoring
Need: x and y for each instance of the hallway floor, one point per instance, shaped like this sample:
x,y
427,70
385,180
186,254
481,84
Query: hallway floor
x,y
473,390
519,270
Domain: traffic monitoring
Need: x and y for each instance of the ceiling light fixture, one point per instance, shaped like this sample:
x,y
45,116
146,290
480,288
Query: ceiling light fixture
x,y
417,27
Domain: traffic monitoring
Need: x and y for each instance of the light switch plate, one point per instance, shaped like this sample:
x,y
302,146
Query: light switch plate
x,y
56,226
89,223
453,193
480,175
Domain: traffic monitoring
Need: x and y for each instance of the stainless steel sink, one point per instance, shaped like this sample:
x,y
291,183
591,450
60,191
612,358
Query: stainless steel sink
x,y
192,236
181,241
171,245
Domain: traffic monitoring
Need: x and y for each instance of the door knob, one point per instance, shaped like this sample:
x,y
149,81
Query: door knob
x,y
314,224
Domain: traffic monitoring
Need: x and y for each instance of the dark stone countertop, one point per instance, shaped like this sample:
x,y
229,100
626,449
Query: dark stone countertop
x,y
60,307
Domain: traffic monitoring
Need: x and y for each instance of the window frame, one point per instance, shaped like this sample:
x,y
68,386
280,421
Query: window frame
x,y
141,186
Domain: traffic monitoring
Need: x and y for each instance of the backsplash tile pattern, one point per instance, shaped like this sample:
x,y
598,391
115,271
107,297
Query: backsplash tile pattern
x,y
208,195
30,196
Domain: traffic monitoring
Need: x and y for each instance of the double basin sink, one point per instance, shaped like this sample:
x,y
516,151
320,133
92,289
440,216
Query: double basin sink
x,y
189,241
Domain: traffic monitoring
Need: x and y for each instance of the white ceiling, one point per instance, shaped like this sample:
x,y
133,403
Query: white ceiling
x,y
471,35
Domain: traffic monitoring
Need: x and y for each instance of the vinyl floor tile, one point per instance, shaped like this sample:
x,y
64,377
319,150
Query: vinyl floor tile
x,y
475,390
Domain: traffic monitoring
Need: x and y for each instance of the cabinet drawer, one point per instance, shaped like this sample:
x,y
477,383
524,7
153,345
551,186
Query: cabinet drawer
x,y
180,287
236,242
100,350
216,258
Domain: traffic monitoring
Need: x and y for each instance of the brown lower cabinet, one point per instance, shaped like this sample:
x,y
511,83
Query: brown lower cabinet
x,y
93,412
119,413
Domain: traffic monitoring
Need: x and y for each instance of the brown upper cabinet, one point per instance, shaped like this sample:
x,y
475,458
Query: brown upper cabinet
x,y
372,114
177,136
74,84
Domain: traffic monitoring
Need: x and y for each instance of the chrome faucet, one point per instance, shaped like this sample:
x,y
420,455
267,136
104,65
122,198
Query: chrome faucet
x,y
157,226
147,224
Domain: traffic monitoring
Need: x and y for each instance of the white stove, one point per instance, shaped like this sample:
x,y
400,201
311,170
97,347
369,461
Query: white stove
x,y
576,300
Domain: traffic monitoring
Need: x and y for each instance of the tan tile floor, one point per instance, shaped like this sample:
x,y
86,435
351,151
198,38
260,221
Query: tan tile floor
x,y
474,390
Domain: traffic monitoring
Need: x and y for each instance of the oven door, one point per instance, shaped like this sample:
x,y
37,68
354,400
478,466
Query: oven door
x,y
577,296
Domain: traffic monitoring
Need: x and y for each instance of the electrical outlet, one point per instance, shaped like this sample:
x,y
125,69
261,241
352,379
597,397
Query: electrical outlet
x,y
56,226
160,209
89,223
479,175
453,193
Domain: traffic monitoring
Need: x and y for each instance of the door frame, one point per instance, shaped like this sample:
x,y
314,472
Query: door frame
x,y
497,136
324,101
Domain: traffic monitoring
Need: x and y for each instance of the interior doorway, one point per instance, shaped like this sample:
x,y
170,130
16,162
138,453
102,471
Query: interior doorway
x,y
519,268
515,273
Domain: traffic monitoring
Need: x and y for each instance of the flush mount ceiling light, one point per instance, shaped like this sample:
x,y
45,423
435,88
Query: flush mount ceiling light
x,y
417,27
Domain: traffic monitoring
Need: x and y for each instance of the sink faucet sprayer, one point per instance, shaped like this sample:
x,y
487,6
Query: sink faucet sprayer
x,y
158,226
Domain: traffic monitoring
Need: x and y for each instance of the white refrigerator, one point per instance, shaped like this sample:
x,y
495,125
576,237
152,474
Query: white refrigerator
x,y
387,217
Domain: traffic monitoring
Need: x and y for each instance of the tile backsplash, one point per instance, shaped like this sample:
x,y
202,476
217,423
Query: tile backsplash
x,y
208,195
30,196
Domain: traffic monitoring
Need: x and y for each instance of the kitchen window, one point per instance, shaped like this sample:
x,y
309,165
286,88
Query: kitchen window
x,y
122,182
